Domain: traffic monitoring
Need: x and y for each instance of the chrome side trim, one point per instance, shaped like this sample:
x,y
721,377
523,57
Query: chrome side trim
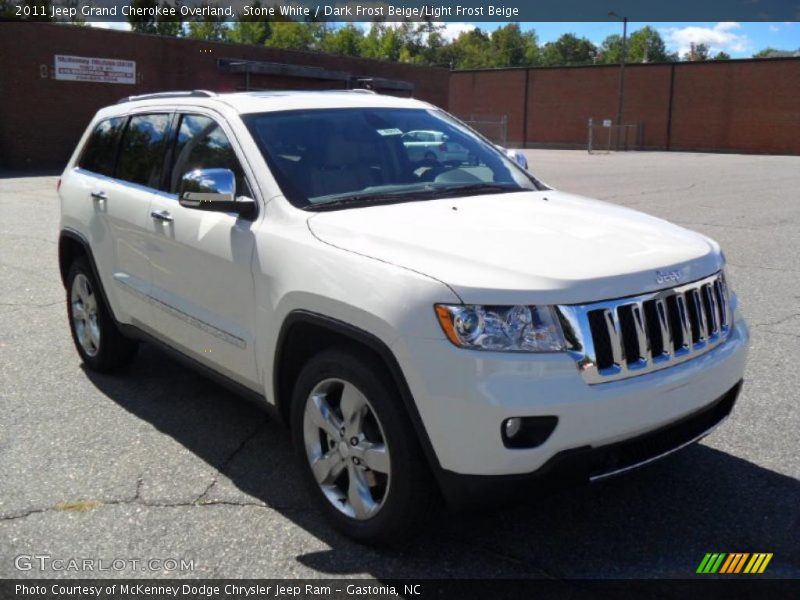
x,y
179,314
677,313
660,456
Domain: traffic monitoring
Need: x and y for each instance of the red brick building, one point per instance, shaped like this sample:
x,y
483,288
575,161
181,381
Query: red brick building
x,y
728,106
718,106
41,118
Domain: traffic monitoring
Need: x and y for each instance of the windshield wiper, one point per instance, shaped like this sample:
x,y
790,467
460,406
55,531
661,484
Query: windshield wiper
x,y
428,193
371,199
479,188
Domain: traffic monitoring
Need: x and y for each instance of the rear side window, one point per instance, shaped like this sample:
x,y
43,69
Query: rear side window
x,y
100,150
201,144
142,150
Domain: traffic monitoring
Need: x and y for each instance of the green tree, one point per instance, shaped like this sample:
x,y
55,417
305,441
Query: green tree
x,y
251,29
211,29
511,47
295,35
644,45
770,52
722,56
344,41
172,26
569,49
382,42
697,52
472,50
145,24
6,9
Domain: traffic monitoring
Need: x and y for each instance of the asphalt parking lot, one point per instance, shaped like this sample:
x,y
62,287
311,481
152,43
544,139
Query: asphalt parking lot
x,y
161,463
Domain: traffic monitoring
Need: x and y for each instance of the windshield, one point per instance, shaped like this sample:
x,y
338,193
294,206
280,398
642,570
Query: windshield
x,y
331,158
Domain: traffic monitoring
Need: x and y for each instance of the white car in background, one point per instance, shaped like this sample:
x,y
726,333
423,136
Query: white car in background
x,y
433,146
460,327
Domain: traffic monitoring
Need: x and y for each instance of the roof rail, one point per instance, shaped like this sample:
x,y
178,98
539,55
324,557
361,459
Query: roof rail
x,y
159,95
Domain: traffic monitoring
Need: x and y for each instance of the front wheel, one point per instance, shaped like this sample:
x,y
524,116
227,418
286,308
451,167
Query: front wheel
x,y
359,451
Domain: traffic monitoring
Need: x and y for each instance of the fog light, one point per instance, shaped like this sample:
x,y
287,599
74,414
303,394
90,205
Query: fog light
x,y
512,427
527,432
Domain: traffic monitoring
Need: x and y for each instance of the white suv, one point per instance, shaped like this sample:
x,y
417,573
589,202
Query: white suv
x,y
460,328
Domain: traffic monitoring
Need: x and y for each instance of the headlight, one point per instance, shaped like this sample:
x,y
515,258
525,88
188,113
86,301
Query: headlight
x,y
501,328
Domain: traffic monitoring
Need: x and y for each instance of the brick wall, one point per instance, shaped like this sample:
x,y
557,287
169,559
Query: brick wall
x,y
41,119
727,106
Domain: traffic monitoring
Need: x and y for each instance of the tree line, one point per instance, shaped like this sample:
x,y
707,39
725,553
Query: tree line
x,y
425,43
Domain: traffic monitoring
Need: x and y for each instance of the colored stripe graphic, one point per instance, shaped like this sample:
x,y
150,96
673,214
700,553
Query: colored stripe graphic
x,y
703,563
758,563
711,563
741,562
730,561
734,562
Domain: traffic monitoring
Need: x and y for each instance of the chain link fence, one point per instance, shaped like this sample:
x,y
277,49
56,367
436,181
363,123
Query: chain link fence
x,y
605,137
493,127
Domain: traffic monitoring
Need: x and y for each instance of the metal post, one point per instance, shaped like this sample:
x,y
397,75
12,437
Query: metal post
x,y
622,70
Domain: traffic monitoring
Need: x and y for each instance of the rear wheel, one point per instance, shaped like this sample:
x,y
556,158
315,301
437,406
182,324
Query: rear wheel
x,y
97,338
360,454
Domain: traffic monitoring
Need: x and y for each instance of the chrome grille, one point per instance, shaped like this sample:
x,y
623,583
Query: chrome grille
x,y
617,339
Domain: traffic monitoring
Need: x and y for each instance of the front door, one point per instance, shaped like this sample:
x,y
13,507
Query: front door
x,y
202,281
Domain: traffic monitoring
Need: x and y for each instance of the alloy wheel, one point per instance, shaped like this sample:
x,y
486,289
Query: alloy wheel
x,y
84,314
346,448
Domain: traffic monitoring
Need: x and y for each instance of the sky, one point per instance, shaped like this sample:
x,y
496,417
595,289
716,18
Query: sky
x,y
740,40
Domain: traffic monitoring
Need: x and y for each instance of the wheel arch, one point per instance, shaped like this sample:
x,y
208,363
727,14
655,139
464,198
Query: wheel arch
x,y
71,246
293,349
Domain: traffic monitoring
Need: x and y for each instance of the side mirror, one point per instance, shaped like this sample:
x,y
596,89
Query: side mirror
x,y
213,190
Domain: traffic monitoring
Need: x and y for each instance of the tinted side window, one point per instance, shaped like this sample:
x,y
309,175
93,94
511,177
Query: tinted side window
x,y
100,150
141,150
202,144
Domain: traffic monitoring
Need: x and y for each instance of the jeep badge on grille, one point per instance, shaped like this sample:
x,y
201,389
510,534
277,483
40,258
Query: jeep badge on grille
x,y
673,276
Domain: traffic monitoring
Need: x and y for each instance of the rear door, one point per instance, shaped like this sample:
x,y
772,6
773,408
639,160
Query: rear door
x,y
137,174
117,173
202,261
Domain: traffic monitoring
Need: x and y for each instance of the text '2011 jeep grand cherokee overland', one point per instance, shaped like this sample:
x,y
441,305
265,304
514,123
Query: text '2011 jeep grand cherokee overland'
x,y
421,325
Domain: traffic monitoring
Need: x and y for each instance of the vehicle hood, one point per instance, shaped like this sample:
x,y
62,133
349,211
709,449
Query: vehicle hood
x,y
523,248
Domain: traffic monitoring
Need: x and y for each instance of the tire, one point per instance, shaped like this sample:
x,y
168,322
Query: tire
x,y
394,492
97,338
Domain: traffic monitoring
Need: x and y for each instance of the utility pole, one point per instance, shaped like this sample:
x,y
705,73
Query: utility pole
x,y
622,65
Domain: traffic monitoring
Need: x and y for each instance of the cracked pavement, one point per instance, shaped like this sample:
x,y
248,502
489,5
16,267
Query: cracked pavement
x,y
161,463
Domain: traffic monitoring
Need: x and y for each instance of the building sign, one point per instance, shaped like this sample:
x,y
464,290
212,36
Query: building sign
x,y
102,70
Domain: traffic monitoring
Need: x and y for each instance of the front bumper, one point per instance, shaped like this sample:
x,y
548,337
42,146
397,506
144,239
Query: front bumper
x,y
579,466
463,396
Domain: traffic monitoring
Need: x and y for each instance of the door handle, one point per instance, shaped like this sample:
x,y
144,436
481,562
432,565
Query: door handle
x,y
99,195
162,215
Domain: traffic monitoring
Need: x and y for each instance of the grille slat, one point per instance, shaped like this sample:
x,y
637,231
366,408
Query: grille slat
x,y
631,336
684,324
642,340
664,328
